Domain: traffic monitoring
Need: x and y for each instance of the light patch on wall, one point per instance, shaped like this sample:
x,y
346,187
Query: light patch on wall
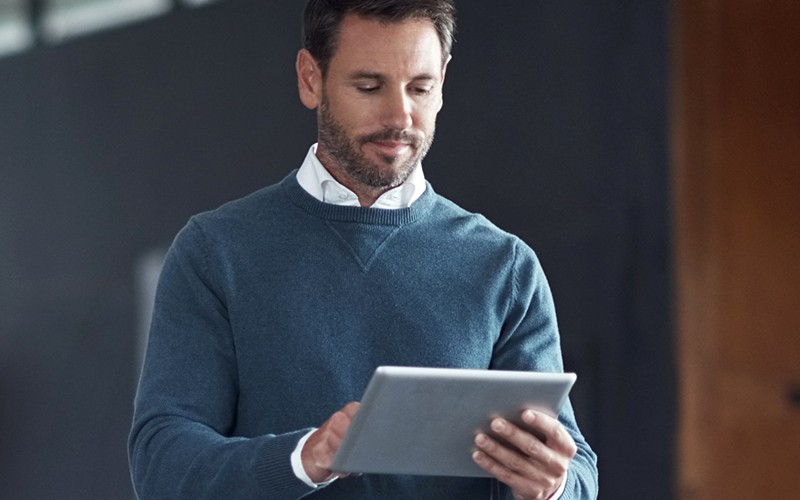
x,y
198,3
147,271
64,19
16,33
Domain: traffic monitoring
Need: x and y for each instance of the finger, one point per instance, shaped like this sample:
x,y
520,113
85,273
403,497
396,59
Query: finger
x,y
351,409
340,421
554,434
552,462
523,440
504,456
325,441
332,433
510,467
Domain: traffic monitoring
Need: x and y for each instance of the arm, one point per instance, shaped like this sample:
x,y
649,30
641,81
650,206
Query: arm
x,y
183,443
549,453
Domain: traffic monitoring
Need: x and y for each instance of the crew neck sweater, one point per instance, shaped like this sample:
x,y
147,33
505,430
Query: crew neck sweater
x,y
273,311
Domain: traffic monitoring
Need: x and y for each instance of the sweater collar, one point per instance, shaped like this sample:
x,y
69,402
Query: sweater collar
x,y
357,214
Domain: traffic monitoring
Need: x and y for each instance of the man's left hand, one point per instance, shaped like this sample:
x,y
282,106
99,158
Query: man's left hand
x,y
535,460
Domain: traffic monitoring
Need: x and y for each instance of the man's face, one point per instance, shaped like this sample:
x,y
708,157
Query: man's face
x,y
378,101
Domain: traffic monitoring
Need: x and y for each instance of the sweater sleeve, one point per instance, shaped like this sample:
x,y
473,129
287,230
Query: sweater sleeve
x,y
529,340
181,444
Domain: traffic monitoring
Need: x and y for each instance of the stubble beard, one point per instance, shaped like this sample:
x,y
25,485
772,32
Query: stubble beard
x,y
346,152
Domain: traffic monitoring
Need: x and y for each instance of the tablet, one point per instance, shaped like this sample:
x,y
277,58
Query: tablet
x,y
423,420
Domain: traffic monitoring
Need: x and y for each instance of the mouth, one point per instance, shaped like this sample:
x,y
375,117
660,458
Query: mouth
x,y
392,144
391,148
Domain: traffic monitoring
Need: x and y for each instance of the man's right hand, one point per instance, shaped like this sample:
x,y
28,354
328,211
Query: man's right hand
x,y
321,446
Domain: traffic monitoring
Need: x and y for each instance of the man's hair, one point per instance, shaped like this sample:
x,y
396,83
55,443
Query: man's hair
x,y
323,18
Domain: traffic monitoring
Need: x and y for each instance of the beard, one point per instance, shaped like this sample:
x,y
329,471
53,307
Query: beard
x,y
346,152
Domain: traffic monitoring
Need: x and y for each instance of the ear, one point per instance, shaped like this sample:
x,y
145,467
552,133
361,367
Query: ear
x,y
309,79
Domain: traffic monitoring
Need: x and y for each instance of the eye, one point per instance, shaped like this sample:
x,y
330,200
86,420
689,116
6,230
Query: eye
x,y
366,83
422,87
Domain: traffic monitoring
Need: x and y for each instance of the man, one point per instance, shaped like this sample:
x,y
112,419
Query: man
x,y
273,311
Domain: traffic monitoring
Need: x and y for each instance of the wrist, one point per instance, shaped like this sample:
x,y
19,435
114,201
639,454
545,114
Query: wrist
x,y
299,468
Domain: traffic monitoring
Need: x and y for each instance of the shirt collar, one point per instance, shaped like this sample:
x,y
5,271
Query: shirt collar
x,y
315,179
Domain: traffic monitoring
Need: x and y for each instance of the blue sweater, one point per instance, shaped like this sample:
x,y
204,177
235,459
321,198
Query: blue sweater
x,y
273,311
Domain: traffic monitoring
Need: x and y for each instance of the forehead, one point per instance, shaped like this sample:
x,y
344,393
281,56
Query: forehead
x,y
370,45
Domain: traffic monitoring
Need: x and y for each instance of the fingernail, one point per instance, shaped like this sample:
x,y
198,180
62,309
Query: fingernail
x,y
480,440
498,425
529,416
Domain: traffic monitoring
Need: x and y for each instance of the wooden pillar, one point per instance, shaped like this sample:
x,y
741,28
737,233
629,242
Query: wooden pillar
x,y
736,163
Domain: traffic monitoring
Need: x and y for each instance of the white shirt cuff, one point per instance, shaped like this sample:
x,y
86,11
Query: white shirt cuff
x,y
559,491
297,464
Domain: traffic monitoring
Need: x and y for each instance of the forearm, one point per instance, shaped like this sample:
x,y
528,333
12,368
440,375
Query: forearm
x,y
175,458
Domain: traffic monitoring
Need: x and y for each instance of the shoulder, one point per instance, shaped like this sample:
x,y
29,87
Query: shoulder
x,y
470,237
252,207
252,213
464,224
234,223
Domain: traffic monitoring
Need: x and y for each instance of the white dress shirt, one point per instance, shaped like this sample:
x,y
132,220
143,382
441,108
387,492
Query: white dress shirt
x,y
319,183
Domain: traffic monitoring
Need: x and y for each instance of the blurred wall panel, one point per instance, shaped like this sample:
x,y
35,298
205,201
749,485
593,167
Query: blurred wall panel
x,y
107,144
737,177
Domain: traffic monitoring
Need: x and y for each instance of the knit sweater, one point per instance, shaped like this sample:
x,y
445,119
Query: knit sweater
x,y
273,311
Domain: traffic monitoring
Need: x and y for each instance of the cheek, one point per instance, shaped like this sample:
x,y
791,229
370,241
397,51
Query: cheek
x,y
425,118
356,117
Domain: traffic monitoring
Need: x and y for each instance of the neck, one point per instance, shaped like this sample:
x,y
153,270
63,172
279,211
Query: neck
x,y
367,194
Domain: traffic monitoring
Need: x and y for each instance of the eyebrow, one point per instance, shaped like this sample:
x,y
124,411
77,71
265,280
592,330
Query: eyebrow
x,y
366,75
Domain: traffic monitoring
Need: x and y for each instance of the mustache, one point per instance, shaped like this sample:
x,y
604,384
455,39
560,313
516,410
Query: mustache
x,y
404,136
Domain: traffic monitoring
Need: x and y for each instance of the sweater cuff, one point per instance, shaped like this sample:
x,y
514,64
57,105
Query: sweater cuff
x,y
273,468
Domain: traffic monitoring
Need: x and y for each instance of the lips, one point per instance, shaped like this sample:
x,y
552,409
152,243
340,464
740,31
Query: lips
x,y
391,148
393,143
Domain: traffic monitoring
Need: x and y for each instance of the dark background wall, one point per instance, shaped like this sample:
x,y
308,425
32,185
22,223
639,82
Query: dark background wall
x,y
554,126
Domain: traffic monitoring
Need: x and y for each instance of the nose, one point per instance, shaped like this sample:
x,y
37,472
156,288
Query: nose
x,y
397,108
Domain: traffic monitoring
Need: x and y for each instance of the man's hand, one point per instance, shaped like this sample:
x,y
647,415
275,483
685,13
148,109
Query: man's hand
x,y
318,452
535,463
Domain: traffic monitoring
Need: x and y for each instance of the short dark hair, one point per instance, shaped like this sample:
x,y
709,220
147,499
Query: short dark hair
x,y
323,18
